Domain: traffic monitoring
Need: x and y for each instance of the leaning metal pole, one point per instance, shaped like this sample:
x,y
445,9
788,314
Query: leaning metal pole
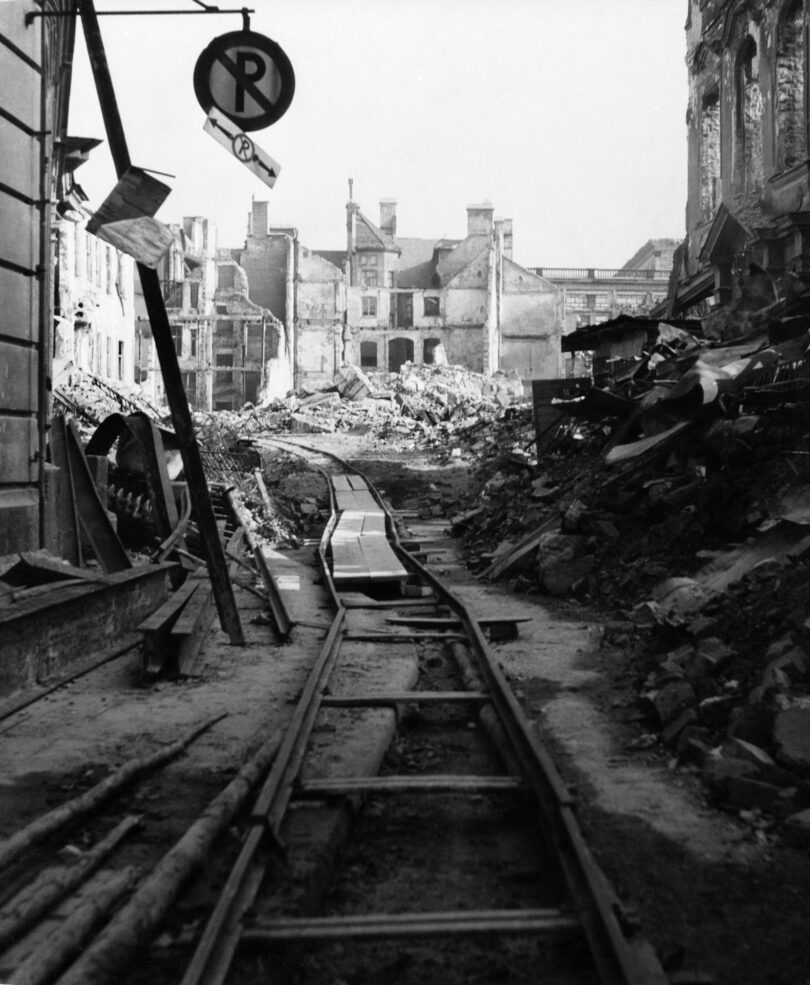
x,y
161,332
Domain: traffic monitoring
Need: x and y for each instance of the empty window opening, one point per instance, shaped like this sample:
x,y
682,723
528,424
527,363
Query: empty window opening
x,y
431,306
177,336
429,347
368,354
399,351
790,87
224,362
405,310
710,155
748,170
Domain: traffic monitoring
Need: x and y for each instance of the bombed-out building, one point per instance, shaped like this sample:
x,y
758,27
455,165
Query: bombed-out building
x,y
749,174
406,297
230,348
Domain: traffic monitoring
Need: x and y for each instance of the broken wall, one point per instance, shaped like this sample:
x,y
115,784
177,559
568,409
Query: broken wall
x,y
320,307
747,126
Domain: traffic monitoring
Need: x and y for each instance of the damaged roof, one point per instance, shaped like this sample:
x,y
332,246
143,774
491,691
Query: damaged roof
x,y
592,336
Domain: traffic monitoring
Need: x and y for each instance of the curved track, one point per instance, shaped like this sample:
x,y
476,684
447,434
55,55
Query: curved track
x,y
572,899
408,825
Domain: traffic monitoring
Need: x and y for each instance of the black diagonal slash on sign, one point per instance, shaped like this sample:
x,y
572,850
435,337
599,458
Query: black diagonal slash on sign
x,y
244,82
242,147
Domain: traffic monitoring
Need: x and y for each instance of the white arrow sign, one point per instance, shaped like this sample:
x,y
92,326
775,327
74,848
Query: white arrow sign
x,y
243,148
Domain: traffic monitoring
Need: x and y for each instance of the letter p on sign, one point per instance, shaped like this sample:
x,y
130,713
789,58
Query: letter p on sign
x,y
247,77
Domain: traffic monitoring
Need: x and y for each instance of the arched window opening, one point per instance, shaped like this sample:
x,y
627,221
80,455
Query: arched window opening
x,y
710,154
399,351
790,87
748,170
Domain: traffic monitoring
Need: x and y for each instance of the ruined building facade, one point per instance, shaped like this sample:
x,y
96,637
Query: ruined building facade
x,y
94,311
39,158
592,295
749,175
407,297
231,349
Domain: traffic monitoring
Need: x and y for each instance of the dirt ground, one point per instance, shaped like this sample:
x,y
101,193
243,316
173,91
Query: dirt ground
x,y
715,892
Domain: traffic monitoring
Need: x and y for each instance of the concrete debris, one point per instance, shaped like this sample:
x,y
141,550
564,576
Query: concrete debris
x,y
791,737
694,540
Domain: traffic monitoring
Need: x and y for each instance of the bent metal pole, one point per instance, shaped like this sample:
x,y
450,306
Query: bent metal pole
x,y
164,345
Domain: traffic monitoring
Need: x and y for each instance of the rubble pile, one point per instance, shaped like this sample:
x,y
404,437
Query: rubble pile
x,y
426,404
679,500
90,399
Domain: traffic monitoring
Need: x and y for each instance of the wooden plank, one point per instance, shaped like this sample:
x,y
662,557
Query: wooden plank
x,y
431,621
191,628
383,564
403,697
430,783
384,927
412,637
157,627
389,603
520,550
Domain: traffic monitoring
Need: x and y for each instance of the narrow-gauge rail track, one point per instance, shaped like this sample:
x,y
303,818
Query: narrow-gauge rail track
x,y
407,826
481,835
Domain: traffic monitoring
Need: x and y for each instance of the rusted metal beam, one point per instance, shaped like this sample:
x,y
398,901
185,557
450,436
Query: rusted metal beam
x,y
164,345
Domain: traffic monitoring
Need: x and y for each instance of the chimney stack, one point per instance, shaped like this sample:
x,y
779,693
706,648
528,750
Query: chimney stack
x,y
504,228
259,219
388,216
479,219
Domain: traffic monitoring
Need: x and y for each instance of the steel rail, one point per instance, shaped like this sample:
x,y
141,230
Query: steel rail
x,y
220,938
278,607
621,955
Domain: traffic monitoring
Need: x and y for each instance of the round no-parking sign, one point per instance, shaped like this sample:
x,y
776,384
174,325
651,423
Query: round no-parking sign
x,y
246,76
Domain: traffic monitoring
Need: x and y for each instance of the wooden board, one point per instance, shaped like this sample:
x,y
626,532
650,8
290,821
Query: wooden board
x,y
360,550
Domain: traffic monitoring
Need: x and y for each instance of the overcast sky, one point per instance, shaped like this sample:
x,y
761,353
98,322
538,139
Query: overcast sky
x,y
568,115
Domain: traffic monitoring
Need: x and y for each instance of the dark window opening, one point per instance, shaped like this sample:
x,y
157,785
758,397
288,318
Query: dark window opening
x,y
190,386
710,155
399,351
253,381
224,362
177,336
405,310
368,354
429,347
748,165
431,306
790,96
